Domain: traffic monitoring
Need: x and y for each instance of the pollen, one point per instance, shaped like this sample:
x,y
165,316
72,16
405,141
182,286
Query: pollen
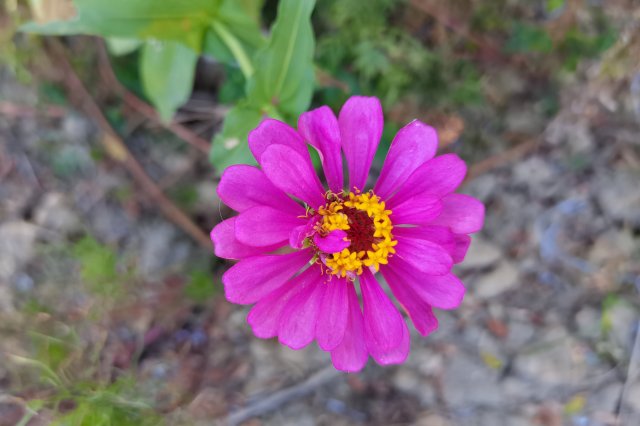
x,y
367,222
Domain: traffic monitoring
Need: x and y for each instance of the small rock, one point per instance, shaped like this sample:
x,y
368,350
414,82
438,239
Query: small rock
x,y
619,197
606,398
467,383
77,128
555,360
412,383
53,213
588,321
632,397
504,277
624,322
481,254
432,419
17,241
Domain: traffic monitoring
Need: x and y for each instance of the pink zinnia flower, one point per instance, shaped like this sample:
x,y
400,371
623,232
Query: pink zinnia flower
x,y
305,252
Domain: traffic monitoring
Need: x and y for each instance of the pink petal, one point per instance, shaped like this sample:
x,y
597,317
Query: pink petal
x,y
334,242
413,145
440,235
227,246
351,354
264,317
462,213
360,122
253,278
418,310
297,324
382,321
424,255
333,315
265,226
273,132
462,245
242,187
320,128
395,355
438,176
441,291
418,210
293,174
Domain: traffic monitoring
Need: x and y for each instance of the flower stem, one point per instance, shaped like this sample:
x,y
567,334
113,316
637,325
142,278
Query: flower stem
x,y
235,47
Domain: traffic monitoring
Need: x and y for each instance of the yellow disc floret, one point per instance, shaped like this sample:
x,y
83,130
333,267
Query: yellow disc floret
x,y
367,222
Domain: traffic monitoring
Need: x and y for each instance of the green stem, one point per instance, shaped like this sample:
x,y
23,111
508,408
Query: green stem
x,y
235,47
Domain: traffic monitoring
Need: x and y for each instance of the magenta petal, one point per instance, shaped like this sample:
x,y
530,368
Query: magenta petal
x,y
425,256
413,145
351,354
440,235
273,132
462,243
293,174
382,321
438,176
360,122
440,291
242,187
297,324
302,232
264,317
418,210
462,213
395,355
334,242
227,246
253,278
320,128
418,310
265,226
333,315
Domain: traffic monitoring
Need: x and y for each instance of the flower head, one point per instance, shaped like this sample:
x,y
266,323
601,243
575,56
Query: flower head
x,y
308,255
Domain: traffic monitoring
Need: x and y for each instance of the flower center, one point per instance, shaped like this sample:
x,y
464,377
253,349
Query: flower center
x,y
368,226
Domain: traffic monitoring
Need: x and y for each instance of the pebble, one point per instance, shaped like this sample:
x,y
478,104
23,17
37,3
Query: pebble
x,y
481,254
54,213
504,277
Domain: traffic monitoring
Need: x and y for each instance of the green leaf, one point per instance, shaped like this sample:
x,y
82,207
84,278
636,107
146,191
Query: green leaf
x,y
285,76
119,46
527,38
235,36
167,70
178,20
200,286
230,146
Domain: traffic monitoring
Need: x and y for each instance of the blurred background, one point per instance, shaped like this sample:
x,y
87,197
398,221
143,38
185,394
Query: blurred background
x,y
111,307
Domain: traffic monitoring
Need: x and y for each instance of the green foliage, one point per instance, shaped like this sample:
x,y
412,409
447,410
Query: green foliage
x,y
280,88
200,286
172,34
167,70
98,265
360,45
528,38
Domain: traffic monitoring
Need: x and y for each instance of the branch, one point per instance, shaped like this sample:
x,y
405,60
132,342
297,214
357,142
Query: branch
x,y
284,396
144,108
119,151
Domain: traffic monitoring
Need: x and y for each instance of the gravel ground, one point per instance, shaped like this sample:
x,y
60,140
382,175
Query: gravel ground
x,y
547,334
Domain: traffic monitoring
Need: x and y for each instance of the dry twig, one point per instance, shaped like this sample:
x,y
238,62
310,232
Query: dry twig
x,y
144,108
283,396
119,151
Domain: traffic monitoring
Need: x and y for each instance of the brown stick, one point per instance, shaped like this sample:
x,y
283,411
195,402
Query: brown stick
x,y
501,159
144,108
119,151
